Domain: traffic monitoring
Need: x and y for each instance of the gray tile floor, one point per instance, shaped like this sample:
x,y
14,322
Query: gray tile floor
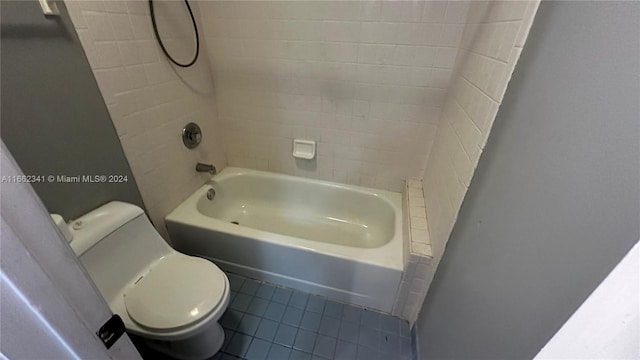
x,y
268,322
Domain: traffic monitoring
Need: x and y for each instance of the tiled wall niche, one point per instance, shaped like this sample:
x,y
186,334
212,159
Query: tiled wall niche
x,y
150,101
365,79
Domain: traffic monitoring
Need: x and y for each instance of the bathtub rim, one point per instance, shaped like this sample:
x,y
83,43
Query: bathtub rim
x,y
392,256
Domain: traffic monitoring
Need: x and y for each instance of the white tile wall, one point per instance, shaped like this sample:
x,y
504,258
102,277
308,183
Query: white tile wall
x,y
365,79
390,90
491,44
150,101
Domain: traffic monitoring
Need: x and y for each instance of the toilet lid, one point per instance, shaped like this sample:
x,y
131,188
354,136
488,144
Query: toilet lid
x,y
176,292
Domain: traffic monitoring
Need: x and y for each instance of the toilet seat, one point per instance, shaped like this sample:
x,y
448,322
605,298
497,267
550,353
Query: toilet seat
x,y
178,291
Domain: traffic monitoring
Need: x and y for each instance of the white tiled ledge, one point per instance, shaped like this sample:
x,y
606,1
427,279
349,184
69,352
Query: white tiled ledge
x,y
418,230
413,286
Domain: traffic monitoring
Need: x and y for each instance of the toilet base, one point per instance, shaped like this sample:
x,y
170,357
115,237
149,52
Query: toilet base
x,y
198,347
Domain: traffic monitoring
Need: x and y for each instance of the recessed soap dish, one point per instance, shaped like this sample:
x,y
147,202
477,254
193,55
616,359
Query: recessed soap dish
x,y
304,149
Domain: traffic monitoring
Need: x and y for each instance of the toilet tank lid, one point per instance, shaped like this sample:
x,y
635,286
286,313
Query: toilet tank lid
x,y
97,224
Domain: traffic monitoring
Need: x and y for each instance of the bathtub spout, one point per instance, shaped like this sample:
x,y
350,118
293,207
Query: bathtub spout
x,y
210,168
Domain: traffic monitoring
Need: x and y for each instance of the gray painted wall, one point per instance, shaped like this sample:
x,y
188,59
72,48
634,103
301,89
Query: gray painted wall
x,y
554,204
54,120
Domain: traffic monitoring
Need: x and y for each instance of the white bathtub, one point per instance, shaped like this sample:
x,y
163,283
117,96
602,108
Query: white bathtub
x,y
340,241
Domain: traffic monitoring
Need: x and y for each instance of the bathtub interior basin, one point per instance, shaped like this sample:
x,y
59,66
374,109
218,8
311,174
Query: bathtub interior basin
x,y
331,213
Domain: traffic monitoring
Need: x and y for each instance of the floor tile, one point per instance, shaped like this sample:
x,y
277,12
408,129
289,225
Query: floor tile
x,y
274,311
249,324
351,313
390,324
349,332
405,347
267,330
265,291
404,329
228,334
311,321
333,309
278,352
299,355
258,350
285,335
315,304
366,353
292,316
258,306
370,319
235,281
370,338
230,319
239,344
229,357
281,295
305,340
325,346
250,287
390,343
345,351
298,299
241,302
329,326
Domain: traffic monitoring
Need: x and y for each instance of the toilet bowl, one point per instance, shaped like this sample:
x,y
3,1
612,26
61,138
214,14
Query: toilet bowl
x,y
171,300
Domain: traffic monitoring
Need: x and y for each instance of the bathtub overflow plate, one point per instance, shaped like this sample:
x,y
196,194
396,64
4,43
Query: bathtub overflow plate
x,y
211,194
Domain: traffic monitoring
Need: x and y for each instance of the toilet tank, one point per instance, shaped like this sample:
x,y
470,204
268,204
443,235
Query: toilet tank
x,y
116,243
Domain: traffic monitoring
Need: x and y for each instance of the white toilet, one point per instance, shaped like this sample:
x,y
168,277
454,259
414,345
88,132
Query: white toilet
x,y
173,301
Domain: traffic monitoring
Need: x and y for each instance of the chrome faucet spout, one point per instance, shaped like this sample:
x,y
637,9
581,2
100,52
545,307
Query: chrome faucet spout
x,y
210,168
